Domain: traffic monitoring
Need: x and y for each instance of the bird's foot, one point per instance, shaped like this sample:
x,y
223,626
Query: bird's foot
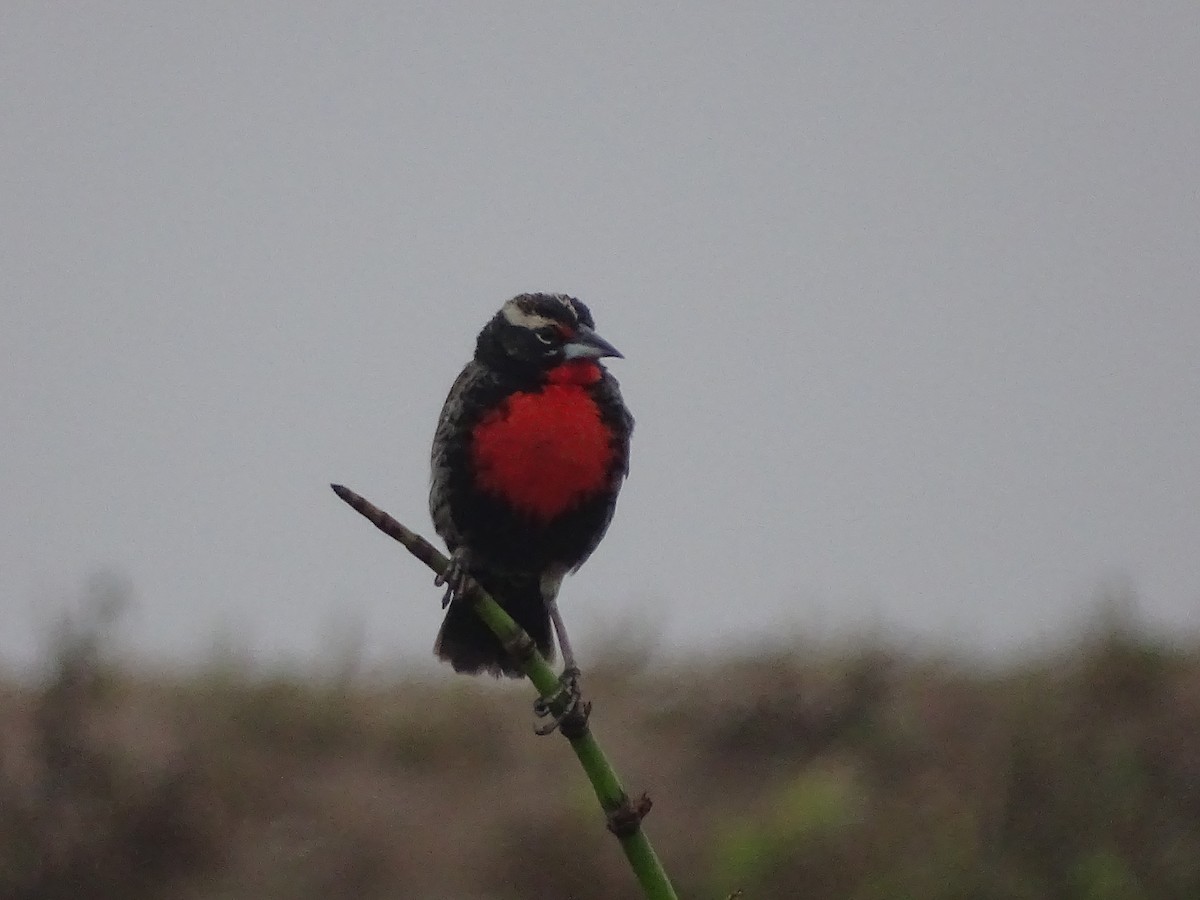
x,y
455,577
565,707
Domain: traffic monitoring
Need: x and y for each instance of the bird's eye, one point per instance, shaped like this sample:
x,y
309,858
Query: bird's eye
x,y
546,335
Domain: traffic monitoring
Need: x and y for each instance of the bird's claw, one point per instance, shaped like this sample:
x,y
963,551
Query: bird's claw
x,y
567,698
454,577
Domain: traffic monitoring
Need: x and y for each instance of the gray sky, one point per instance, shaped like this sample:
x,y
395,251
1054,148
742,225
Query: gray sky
x,y
908,295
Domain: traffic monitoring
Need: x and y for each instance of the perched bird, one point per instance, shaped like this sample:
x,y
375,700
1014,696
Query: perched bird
x,y
531,449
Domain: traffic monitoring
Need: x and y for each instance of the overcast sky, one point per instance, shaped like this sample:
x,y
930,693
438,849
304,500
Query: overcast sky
x,y
909,295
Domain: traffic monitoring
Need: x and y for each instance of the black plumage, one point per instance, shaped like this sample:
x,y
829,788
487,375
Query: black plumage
x,y
517,553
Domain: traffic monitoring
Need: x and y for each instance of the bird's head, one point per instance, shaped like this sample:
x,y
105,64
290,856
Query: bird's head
x,y
536,333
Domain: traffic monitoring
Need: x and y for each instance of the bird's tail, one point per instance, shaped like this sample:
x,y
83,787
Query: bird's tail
x,y
468,644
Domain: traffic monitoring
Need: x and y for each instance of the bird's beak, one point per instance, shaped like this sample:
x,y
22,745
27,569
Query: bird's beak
x,y
586,344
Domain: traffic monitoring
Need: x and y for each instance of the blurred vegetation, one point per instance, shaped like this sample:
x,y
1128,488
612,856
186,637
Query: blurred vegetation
x,y
864,774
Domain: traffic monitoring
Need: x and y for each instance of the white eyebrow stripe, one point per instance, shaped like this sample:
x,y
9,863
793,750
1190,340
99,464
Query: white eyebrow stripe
x,y
514,315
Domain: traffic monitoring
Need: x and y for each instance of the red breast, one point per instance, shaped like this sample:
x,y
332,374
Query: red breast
x,y
544,451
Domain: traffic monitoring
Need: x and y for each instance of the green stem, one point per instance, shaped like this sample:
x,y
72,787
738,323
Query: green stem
x,y
624,815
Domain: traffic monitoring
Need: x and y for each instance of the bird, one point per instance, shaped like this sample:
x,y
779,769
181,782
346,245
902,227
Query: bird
x,y
530,452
